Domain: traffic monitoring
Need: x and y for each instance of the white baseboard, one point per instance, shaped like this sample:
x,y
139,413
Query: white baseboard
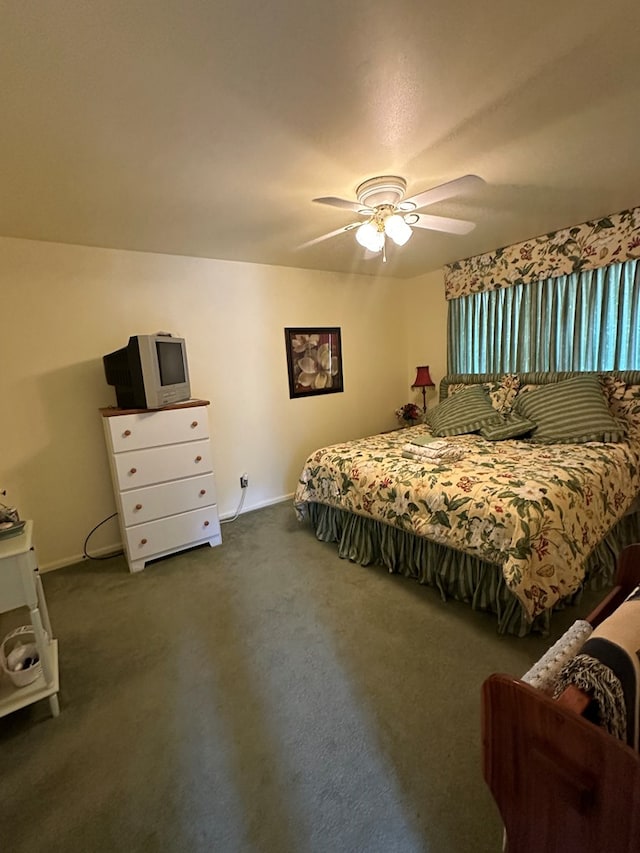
x,y
79,558
259,505
111,549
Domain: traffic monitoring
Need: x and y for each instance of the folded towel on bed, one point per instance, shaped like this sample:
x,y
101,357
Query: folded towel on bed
x,y
428,441
608,668
434,449
434,452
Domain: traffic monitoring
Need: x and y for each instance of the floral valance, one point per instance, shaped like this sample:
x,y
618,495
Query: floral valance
x,y
593,244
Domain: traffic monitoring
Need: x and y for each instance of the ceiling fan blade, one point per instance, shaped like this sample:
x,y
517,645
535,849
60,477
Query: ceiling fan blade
x,y
452,188
323,237
440,223
344,203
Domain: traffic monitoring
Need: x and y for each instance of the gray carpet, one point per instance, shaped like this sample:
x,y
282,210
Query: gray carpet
x,y
260,696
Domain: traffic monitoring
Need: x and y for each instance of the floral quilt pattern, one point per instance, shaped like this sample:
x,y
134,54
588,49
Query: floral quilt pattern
x,y
536,511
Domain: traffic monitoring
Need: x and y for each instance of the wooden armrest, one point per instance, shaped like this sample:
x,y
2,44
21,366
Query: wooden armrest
x,y
561,784
627,579
628,571
607,606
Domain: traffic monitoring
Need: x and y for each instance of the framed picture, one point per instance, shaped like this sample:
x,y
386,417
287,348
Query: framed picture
x,y
314,360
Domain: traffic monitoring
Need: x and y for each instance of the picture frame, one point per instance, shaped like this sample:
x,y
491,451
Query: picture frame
x,y
314,360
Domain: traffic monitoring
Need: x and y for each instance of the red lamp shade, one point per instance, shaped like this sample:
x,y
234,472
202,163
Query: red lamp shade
x,y
423,380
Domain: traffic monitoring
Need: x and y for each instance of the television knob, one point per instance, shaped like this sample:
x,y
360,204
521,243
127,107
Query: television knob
x,y
198,458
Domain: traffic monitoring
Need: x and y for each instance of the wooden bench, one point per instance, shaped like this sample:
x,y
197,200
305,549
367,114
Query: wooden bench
x,y
560,782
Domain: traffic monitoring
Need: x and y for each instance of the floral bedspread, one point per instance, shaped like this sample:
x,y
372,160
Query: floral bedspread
x,y
537,511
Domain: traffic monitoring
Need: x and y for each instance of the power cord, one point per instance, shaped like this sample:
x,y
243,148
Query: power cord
x,y
91,532
240,505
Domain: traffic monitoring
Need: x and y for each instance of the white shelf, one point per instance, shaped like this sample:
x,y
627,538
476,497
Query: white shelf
x,y
12,698
21,586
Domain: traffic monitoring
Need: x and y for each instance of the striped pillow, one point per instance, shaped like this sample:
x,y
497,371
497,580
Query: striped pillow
x,y
467,411
570,412
510,426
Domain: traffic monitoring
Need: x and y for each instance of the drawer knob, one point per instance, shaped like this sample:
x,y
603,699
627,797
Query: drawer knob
x,y
194,424
143,541
203,491
198,458
138,506
127,433
206,524
133,470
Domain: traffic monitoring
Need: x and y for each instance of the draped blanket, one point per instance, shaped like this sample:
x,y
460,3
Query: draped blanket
x,y
608,669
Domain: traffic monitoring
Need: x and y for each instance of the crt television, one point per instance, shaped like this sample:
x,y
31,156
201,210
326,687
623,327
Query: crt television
x,y
150,372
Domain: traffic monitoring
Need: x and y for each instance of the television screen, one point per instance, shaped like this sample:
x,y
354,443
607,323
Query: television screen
x,y
170,362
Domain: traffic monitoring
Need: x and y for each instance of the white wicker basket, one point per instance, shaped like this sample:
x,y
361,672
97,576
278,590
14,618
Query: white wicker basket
x,y
19,656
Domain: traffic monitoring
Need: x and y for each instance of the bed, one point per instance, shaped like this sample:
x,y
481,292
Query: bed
x,y
515,526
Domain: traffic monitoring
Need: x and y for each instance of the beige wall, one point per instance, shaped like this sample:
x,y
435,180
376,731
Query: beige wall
x,y
425,325
63,307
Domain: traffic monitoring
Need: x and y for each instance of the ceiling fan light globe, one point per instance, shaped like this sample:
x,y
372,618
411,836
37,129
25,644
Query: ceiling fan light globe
x,y
369,237
396,228
401,240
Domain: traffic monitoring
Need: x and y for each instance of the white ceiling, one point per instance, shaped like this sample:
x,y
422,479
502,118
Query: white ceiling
x,y
205,127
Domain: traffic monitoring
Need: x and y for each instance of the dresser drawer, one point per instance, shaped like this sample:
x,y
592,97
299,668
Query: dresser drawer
x,y
151,429
139,468
141,505
172,533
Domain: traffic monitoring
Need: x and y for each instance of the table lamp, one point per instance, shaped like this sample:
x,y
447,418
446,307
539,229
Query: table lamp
x,y
423,380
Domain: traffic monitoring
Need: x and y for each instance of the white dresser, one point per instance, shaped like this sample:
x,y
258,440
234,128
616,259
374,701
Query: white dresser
x,y
163,479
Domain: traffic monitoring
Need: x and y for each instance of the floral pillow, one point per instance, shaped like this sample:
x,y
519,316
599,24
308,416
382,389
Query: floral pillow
x,y
504,393
456,387
623,399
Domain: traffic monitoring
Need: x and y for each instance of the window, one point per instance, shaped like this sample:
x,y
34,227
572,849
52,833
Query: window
x,y
583,321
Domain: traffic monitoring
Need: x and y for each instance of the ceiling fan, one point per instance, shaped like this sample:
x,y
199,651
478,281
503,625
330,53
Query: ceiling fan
x,y
388,214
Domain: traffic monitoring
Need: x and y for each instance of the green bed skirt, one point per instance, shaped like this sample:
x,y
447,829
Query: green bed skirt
x,y
456,574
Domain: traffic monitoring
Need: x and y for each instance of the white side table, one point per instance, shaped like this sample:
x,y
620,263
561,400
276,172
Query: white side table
x,y
21,586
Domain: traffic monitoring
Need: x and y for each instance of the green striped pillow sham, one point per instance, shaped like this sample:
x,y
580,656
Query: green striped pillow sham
x,y
466,411
570,412
510,426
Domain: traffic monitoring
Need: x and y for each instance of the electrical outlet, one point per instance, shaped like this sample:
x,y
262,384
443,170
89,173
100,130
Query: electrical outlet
x,y
244,481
